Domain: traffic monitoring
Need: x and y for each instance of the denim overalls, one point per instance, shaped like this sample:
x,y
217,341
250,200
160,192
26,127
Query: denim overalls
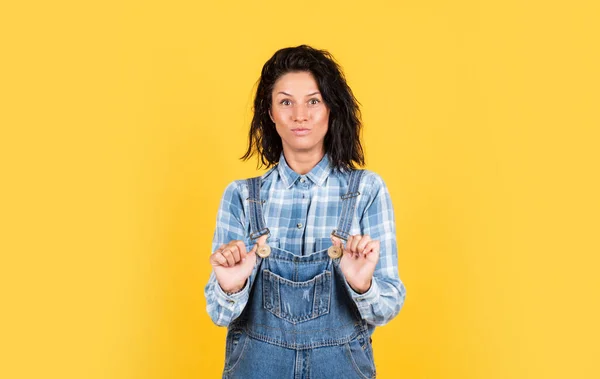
x,y
299,322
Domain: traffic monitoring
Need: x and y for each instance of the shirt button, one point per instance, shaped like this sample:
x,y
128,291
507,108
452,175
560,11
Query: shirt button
x,y
302,180
299,225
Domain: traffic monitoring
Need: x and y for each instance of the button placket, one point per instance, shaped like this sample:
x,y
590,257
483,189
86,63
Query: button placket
x,y
300,212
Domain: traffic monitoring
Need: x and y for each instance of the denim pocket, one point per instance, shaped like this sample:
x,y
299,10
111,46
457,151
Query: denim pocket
x,y
360,353
235,343
297,302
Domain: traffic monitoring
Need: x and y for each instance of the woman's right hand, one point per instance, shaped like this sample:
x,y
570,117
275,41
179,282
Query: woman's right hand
x,y
233,265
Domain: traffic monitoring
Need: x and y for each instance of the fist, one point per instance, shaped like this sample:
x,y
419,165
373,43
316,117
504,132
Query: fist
x,y
233,265
358,262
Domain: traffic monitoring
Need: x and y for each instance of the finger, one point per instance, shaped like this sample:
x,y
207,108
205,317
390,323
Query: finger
x,y
229,256
262,239
241,246
243,254
362,244
354,244
242,249
377,245
348,247
253,250
372,248
336,241
235,252
217,259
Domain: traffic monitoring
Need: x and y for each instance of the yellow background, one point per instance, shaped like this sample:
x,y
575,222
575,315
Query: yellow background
x,y
122,123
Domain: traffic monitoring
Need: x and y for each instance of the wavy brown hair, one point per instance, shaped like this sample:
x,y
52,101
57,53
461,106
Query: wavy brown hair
x,y
342,141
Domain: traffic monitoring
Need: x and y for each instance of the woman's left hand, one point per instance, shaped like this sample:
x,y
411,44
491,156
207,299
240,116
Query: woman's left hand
x,y
358,261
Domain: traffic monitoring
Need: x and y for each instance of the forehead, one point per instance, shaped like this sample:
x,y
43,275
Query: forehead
x,y
296,83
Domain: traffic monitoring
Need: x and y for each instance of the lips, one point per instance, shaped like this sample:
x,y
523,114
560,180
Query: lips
x,y
300,131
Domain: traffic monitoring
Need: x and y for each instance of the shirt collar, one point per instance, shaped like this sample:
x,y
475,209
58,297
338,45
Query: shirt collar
x,y
317,175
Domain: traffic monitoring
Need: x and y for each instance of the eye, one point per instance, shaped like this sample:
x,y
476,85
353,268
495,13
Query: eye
x,y
314,101
285,102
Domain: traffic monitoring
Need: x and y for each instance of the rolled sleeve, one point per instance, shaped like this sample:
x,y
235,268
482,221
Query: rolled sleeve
x,y
221,307
384,299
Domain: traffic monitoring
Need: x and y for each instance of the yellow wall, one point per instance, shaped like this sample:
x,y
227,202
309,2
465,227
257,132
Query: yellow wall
x,y
121,124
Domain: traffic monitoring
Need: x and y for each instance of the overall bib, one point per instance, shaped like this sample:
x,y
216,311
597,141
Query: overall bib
x,y
300,321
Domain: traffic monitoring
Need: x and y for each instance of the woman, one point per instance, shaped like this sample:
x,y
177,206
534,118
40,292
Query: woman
x,y
297,301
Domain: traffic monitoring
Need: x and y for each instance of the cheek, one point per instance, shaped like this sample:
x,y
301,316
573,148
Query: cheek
x,y
321,117
279,116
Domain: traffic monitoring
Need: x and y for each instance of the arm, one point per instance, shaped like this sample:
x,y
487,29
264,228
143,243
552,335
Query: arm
x,y
221,307
384,299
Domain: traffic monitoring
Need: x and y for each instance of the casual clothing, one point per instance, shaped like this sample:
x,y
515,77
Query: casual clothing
x,y
297,314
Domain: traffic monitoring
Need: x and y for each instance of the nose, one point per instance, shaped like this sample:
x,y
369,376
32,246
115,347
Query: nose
x,y
300,113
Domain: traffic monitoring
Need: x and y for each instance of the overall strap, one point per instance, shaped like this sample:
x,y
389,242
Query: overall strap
x,y
348,205
257,221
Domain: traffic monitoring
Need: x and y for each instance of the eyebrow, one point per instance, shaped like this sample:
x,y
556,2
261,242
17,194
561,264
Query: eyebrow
x,y
287,94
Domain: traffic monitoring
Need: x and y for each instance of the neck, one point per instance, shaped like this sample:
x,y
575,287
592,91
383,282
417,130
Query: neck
x,y
303,162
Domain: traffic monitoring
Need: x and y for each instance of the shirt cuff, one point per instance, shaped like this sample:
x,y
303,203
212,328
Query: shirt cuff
x,y
230,301
364,300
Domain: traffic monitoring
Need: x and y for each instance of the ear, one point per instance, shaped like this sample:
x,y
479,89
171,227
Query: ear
x,y
270,115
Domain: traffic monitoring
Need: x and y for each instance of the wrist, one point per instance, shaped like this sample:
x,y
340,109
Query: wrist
x,y
360,289
232,290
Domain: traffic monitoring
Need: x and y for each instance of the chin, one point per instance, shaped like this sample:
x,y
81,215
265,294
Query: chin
x,y
303,147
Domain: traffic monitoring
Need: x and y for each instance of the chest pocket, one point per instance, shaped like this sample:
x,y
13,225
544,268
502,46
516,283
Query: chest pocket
x,y
296,302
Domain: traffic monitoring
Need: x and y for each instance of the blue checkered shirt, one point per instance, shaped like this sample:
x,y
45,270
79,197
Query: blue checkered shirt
x,y
301,212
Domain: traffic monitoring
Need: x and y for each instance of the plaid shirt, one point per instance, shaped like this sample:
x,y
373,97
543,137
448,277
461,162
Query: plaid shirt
x,y
301,211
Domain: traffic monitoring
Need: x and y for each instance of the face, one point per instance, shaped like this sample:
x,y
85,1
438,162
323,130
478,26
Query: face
x,y
299,113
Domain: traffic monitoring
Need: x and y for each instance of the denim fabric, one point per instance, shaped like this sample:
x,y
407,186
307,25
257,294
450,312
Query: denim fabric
x,y
300,321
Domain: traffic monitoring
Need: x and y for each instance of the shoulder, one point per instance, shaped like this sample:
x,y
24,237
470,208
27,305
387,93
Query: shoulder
x,y
232,195
372,183
374,195
238,188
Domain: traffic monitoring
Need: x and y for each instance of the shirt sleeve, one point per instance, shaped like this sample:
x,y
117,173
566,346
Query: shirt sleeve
x,y
221,307
384,299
